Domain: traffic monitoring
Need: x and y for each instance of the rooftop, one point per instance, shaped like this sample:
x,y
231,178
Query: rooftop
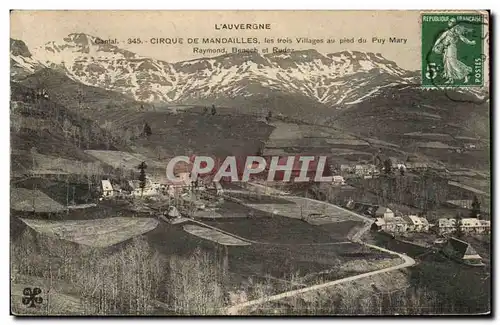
x,y
106,185
463,248
416,220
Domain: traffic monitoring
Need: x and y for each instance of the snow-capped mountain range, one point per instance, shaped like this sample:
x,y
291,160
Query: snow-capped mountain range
x,y
22,62
333,79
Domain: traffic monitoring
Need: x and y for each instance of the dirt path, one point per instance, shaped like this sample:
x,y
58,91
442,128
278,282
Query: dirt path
x,y
408,261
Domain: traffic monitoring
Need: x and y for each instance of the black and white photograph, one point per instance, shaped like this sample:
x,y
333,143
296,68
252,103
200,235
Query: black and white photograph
x,y
250,163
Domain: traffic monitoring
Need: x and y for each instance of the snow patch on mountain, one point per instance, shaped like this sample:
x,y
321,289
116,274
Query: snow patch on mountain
x,y
331,79
21,60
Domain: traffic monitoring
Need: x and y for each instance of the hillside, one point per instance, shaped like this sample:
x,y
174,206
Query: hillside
x,y
418,120
40,125
70,118
78,97
192,132
402,109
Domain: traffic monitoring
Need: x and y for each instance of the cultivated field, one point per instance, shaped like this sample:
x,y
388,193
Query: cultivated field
x,y
278,230
467,188
434,145
430,136
95,233
45,164
214,235
313,211
308,138
257,198
22,199
124,160
348,142
285,130
381,143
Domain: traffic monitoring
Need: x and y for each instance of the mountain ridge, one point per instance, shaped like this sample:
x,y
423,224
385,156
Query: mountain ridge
x,y
331,79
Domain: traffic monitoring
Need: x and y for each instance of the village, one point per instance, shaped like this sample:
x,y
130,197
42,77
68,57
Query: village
x,y
440,232
176,201
421,210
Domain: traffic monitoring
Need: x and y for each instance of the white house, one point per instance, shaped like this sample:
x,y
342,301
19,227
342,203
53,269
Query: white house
x,y
365,169
346,168
151,188
418,223
399,166
467,225
182,172
391,224
398,224
173,212
107,188
338,180
148,191
475,225
417,166
377,211
446,225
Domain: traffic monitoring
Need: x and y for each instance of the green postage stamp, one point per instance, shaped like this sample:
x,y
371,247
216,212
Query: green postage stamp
x,y
453,49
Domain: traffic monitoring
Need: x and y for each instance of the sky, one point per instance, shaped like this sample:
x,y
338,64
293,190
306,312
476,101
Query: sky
x,y
36,28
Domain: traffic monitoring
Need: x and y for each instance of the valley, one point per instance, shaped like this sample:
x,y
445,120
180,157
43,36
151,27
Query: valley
x,y
87,113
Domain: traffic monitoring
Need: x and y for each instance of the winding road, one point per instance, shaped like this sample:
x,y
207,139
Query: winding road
x,y
407,262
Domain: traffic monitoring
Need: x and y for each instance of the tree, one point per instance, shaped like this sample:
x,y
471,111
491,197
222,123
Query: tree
x,y
159,151
269,116
33,152
142,175
67,128
387,166
33,201
89,172
458,226
377,161
127,135
16,122
147,130
476,207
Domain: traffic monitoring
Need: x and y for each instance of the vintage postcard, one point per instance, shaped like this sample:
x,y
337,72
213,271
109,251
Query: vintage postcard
x,y
250,163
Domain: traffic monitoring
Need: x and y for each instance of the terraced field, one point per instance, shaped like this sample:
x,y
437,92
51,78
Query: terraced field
x,y
303,208
121,159
23,199
95,233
